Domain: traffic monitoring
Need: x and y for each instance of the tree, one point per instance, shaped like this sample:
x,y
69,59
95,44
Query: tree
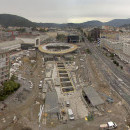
x,y
60,37
111,55
117,63
88,51
8,88
42,30
22,30
121,67
13,77
90,38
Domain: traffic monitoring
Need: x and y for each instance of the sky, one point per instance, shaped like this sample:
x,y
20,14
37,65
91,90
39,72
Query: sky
x,y
67,11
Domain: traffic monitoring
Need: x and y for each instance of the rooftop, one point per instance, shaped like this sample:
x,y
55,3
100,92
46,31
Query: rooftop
x,y
10,43
51,102
57,48
28,36
93,96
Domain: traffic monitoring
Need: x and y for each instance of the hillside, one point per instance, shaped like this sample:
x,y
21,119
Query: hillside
x,y
86,24
118,22
14,20
93,23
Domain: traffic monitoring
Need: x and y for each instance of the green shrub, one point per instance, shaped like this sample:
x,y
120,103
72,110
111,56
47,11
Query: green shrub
x,y
114,62
121,67
8,88
90,117
117,63
88,51
111,55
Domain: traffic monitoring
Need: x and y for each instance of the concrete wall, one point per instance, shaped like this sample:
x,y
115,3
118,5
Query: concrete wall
x,y
126,48
35,41
12,47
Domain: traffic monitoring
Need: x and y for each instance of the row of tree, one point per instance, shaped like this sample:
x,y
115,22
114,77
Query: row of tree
x,y
61,37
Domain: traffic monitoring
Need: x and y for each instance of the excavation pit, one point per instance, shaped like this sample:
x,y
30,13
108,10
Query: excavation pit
x,y
68,89
64,79
66,84
63,75
60,65
62,71
61,68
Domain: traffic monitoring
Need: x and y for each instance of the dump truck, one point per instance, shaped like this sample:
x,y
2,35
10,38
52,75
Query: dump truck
x,y
110,125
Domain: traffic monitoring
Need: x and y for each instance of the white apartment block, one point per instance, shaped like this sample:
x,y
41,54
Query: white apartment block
x,y
121,48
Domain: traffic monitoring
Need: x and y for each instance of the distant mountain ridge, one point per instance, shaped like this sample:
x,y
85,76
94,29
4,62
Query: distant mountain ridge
x,y
85,24
118,22
93,23
14,20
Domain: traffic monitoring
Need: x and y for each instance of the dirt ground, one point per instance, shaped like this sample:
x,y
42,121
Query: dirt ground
x,y
26,112
109,111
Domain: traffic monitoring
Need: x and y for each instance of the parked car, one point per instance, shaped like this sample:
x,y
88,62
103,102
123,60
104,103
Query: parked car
x,y
67,103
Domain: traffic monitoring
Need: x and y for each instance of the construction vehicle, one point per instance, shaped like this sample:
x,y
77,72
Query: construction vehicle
x,y
63,112
110,125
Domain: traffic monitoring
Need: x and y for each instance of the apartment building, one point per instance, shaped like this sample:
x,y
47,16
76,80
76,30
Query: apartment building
x,y
4,65
112,44
121,48
112,35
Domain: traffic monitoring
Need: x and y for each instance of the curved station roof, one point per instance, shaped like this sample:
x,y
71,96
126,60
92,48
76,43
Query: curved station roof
x,y
57,48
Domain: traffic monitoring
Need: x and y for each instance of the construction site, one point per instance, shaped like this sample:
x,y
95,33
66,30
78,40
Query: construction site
x,y
70,89
62,87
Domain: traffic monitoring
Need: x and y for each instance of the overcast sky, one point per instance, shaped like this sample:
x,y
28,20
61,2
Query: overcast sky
x,y
63,11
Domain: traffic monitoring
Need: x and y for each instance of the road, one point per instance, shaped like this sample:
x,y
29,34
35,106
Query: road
x,y
118,80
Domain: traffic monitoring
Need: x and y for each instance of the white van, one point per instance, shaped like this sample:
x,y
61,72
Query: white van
x,y
71,115
40,86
